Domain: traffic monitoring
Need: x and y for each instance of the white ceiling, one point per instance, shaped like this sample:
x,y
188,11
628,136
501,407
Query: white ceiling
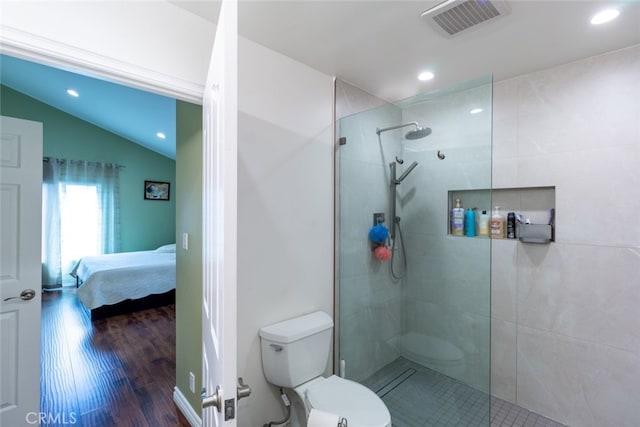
x,y
379,46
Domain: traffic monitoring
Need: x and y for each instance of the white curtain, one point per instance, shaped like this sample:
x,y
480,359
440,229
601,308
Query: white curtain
x,y
59,178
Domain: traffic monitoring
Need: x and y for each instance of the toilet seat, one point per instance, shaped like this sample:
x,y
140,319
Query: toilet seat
x,y
359,405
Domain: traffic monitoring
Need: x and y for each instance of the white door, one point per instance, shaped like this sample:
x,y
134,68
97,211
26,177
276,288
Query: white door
x,y
20,270
220,111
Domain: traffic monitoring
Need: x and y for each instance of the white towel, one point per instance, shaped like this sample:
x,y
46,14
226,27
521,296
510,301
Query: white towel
x,y
319,418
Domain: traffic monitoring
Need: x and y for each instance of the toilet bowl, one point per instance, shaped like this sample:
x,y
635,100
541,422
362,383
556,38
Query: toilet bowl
x,y
295,354
359,405
432,352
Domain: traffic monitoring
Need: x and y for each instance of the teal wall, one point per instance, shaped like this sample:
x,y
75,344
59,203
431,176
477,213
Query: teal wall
x,y
145,224
189,263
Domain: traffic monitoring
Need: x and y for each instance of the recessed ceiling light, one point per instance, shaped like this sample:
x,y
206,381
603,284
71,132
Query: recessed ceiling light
x,y
426,75
73,93
161,135
476,111
605,16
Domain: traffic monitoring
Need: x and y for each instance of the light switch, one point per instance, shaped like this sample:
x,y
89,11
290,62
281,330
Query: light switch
x,y
185,241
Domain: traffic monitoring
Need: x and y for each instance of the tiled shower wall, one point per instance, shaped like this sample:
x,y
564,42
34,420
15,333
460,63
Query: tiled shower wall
x,y
565,324
447,288
565,336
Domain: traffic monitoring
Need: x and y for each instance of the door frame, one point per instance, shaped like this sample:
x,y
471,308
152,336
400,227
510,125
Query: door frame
x,y
56,54
60,55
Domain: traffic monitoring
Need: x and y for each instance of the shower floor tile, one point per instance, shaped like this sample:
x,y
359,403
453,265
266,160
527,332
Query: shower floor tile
x,y
417,396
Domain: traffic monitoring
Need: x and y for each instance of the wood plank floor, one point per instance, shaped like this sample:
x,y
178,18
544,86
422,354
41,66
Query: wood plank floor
x,y
118,371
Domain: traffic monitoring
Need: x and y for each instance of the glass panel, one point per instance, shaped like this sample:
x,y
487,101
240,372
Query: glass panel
x,y
415,328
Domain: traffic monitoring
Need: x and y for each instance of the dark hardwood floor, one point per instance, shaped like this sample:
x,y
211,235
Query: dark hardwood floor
x,y
118,371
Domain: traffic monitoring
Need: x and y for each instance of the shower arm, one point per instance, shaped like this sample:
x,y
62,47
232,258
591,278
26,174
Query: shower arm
x,y
379,131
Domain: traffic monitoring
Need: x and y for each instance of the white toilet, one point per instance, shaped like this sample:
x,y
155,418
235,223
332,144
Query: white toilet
x,y
295,355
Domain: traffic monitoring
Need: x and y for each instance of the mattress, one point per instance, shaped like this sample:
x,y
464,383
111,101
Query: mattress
x,y
112,278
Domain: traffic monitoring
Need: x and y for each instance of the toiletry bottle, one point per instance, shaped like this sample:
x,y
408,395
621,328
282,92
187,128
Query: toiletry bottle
x,y
511,225
457,219
470,223
497,224
483,224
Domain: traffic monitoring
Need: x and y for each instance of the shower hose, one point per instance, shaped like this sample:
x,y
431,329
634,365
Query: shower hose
x,y
393,252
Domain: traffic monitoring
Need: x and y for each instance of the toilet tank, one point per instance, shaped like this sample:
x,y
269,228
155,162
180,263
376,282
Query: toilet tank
x,y
296,350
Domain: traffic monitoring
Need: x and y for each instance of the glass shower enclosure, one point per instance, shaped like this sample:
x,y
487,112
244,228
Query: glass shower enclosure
x,y
413,300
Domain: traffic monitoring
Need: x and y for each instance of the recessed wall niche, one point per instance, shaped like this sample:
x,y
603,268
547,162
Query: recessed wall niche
x,y
534,203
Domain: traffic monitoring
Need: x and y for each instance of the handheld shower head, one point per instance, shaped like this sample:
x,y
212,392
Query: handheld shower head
x,y
417,133
407,172
398,180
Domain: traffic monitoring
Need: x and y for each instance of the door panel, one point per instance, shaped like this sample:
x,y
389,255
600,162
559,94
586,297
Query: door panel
x,y
20,269
220,111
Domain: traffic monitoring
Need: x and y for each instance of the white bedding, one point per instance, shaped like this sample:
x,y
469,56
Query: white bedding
x,y
112,278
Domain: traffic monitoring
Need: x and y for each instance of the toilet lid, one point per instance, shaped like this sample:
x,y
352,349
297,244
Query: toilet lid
x,y
359,405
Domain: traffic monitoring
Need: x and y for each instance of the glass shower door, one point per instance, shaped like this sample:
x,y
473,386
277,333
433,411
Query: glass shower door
x,y
415,328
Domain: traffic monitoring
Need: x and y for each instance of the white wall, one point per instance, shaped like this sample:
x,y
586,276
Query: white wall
x,y
565,324
285,207
166,44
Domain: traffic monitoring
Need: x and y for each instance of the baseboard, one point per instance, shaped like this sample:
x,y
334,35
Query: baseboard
x,y
186,408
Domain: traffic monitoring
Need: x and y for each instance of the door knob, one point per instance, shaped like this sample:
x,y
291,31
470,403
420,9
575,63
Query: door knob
x,y
243,389
26,295
214,400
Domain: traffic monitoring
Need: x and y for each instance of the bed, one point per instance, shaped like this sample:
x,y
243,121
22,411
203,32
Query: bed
x,y
122,282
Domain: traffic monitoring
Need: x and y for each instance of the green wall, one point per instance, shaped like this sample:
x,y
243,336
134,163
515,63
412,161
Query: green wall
x,y
145,224
189,263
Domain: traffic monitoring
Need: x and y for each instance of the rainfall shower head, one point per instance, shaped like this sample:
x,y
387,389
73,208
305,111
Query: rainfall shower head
x,y
417,133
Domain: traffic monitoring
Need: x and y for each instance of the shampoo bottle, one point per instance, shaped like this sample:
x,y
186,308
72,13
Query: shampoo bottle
x,y
497,224
470,223
483,224
457,220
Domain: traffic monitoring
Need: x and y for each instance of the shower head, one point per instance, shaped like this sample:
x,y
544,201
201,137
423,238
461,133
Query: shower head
x,y
417,133
407,172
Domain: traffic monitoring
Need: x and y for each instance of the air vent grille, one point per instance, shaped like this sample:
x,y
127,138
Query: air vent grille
x,y
464,15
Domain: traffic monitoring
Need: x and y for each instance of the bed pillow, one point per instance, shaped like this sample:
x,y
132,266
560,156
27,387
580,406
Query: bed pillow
x,y
167,248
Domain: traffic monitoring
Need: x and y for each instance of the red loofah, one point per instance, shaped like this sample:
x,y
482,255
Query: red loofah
x,y
382,253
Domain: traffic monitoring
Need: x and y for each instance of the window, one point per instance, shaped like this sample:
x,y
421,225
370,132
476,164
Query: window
x,y
81,211
80,225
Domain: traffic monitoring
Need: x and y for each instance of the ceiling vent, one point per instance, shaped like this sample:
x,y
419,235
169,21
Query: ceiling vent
x,y
452,17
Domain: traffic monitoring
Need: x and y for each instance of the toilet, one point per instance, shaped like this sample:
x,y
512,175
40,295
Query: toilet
x,y
295,355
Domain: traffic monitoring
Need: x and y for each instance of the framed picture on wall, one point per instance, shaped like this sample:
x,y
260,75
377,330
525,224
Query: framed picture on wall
x,y
155,190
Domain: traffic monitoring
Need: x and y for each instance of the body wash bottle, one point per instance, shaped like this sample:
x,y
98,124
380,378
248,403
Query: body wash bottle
x,y
497,224
457,219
